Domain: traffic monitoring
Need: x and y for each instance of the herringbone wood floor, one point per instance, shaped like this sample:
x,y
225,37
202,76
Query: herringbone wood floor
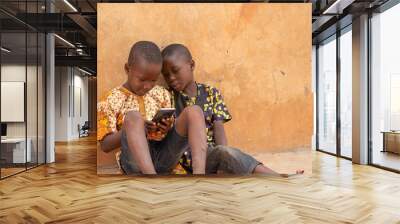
x,y
71,192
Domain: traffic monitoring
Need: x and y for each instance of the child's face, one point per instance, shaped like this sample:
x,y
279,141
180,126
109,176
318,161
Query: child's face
x,y
142,76
178,72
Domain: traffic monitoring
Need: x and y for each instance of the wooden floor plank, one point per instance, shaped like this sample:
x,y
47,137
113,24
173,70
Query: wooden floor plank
x,y
70,191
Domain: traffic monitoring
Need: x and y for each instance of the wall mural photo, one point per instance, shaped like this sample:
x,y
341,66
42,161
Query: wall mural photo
x,y
215,89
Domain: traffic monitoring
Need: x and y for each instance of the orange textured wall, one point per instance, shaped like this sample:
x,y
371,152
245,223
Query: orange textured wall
x,y
258,55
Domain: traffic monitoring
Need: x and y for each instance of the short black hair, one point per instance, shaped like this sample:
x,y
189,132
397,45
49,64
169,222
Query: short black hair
x,y
173,49
145,50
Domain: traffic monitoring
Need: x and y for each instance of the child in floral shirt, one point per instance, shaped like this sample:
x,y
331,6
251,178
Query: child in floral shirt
x,y
125,113
178,67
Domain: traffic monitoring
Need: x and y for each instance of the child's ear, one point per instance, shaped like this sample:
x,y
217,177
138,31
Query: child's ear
x,y
192,65
126,67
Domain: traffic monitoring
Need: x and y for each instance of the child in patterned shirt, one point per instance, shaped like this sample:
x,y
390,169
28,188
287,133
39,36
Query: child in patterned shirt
x,y
178,67
125,113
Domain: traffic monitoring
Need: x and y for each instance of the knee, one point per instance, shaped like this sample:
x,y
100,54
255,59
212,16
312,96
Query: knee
x,y
226,152
194,112
222,149
133,118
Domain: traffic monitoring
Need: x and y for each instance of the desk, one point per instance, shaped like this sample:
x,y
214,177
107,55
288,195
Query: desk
x,y
13,150
391,141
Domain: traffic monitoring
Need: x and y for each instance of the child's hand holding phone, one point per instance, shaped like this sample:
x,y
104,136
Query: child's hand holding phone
x,y
162,122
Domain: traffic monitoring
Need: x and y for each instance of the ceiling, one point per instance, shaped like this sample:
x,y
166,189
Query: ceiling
x,y
75,23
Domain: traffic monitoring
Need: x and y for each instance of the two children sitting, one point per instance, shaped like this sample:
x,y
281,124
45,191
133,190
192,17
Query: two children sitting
x,y
194,140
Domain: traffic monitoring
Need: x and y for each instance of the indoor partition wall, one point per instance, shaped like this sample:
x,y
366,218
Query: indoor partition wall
x,y
22,87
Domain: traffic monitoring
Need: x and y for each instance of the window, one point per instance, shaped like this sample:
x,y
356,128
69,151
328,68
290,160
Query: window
x,y
327,96
346,93
385,89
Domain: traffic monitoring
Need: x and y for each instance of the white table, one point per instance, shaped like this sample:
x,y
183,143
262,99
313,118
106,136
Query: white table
x,y
18,149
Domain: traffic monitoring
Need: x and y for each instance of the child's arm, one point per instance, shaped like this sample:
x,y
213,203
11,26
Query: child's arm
x,y
220,116
219,133
108,135
111,142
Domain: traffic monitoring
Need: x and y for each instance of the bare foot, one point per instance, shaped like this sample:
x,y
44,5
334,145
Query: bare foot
x,y
298,172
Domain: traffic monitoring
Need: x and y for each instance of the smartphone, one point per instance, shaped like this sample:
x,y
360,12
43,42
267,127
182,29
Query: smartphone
x,y
163,113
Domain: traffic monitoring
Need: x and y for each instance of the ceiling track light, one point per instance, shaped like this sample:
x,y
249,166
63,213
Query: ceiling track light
x,y
5,50
84,71
70,5
65,41
337,7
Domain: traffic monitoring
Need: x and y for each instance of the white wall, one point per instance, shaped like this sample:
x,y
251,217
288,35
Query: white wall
x,y
12,73
80,97
34,125
61,103
16,73
71,93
